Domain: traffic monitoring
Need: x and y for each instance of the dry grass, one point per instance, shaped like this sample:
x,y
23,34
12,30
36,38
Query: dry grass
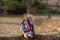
x,y
43,26
12,25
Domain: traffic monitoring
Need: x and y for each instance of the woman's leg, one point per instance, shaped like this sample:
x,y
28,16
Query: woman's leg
x,y
26,35
30,35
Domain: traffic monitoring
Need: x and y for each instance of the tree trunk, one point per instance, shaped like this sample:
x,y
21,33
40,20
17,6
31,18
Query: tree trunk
x,y
47,2
57,4
6,8
29,6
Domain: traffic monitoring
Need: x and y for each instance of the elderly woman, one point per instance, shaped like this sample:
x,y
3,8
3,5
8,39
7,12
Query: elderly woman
x,y
27,27
31,24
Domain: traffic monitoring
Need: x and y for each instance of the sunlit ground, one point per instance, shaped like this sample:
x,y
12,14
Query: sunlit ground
x,y
45,29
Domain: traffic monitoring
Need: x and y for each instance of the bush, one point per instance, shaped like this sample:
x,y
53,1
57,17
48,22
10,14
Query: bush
x,y
52,11
18,8
40,6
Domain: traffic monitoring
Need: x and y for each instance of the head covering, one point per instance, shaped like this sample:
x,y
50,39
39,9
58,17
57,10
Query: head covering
x,y
30,19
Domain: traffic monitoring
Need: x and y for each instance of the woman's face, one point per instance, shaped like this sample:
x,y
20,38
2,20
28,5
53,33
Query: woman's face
x,y
27,19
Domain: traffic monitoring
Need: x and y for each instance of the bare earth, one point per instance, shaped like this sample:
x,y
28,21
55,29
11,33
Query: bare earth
x,y
45,29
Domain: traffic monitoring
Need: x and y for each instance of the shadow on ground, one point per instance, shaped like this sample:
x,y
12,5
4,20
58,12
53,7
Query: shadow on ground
x,y
37,37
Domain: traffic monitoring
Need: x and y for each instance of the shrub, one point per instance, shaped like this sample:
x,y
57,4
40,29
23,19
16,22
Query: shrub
x,y
52,11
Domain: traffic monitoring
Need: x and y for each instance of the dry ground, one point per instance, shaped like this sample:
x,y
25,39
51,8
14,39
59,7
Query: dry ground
x,y
45,29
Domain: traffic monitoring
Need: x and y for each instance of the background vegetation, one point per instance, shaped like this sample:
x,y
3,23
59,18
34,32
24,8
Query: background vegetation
x,y
19,7
15,7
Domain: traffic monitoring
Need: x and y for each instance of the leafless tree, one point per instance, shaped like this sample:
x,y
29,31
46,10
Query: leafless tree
x,y
57,6
47,2
29,3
